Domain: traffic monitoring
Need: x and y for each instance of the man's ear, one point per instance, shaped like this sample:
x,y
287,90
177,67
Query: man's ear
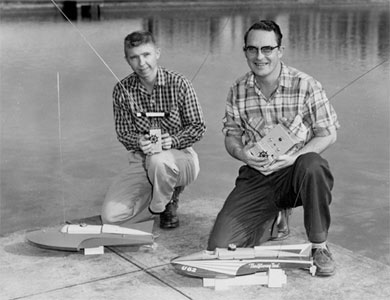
x,y
158,53
281,51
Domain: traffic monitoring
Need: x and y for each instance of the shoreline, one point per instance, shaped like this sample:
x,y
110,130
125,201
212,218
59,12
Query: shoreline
x,y
6,5
44,9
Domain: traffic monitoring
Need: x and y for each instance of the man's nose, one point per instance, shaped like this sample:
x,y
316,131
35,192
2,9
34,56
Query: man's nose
x,y
141,61
259,54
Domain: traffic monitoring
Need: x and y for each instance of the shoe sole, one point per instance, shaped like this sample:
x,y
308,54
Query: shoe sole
x,y
169,226
325,274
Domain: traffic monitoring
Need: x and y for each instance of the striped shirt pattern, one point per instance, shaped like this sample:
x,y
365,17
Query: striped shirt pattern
x,y
172,94
299,103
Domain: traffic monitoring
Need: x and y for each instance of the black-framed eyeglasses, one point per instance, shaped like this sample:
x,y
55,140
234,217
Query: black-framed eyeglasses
x,y
254,51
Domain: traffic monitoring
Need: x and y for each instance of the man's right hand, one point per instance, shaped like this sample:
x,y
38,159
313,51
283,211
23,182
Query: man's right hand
x,y
235,148
256,162
145,144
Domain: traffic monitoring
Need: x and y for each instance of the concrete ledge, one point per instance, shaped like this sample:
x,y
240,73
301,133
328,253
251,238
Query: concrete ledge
x,y
145,273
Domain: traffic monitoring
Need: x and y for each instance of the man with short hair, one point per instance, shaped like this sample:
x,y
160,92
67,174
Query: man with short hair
x,y
153,97
272,94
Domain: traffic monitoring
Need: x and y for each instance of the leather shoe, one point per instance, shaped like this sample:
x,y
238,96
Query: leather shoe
x,y
169,218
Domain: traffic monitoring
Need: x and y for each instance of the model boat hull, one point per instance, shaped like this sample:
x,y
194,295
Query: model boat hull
x,y
57,239
243,261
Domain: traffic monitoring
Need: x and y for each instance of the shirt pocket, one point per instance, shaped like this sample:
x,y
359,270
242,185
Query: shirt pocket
x,y
141,123
254,127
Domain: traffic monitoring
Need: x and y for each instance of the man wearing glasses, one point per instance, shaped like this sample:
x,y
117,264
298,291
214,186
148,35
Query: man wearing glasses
x,y
273,94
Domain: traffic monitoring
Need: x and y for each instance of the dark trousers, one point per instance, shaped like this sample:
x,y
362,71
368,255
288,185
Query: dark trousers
x,y
249,211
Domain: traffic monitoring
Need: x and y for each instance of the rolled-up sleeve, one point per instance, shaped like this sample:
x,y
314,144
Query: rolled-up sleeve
x,y
192,119
322,114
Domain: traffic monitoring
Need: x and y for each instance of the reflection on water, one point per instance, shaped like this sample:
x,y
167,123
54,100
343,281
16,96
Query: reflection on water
x,y
362,34
352,35
334,45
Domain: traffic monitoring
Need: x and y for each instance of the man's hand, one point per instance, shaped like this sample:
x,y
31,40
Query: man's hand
x,y
145,144
279,163
317,144
166,141
256,162
236,149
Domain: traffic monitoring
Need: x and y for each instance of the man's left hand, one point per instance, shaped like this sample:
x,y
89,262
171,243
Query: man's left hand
x,y
166,141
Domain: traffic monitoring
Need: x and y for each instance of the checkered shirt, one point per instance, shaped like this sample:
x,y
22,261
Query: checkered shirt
x,y
172,94
299,103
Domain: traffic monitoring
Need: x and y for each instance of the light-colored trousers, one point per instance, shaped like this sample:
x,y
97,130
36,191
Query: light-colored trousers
x,y
148,182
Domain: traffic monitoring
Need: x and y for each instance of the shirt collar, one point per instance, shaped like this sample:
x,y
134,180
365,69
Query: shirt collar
x,y
285,78
250,81
161,78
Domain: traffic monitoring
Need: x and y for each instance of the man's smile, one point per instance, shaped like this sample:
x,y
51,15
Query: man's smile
x,y
261,64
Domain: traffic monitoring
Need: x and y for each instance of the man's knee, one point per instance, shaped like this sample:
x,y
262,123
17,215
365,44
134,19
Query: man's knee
x,y
313,165
161,162
228,230
315,169
218,239
113,213
311,160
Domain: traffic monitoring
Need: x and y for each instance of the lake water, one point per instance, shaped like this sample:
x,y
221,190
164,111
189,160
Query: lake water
x,y
56,168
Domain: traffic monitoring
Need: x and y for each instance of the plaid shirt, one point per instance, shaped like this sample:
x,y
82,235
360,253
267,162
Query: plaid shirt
x,y
172,94
299,103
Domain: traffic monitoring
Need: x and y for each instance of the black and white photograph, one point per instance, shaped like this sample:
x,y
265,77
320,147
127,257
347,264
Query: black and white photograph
x,y
195,149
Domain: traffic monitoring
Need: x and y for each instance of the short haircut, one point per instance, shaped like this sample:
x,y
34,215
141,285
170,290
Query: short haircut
x,y
266,25
137,38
